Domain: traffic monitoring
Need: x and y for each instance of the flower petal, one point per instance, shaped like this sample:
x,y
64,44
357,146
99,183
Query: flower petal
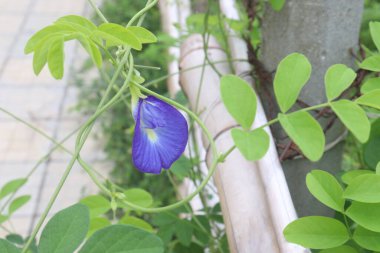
x,y
160,137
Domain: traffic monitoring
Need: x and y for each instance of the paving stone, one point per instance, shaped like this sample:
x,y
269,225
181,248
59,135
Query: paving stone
x,y
14,7
10,23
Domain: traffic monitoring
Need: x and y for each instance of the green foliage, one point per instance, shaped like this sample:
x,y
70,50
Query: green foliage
x,y
239,99
96,224
337,79
139,197
364,188
371,63
324,187
374,28
65,231
277,5
181,167
316,232
366,215
253,145
17,203
136,222
349,176
370,99
353,117
7,247
122,238
370,85
371,149
48,43
292,74
367,239
12,186
96,204
306,132
340,249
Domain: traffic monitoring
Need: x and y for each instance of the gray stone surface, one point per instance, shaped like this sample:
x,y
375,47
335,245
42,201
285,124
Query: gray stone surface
x,y
324,31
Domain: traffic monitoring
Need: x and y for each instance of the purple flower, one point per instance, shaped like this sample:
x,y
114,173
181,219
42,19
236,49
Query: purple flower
x,y
160,136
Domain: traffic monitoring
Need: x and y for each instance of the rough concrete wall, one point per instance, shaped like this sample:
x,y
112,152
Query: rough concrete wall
x,y
324,31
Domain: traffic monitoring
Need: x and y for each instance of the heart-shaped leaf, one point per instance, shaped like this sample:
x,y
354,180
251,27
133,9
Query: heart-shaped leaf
x,y
337,79
253,145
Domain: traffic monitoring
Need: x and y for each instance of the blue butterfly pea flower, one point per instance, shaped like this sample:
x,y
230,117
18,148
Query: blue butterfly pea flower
x,y
160,136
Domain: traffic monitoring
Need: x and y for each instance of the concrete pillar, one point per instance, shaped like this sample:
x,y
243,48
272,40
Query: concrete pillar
x,y
324,31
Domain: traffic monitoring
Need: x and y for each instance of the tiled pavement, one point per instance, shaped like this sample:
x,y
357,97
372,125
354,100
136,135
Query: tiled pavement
x,y
45,103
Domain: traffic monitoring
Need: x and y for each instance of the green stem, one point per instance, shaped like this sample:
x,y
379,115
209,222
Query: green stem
x,y
149,5
97,10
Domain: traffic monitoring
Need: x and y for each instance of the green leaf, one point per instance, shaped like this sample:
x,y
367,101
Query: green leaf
x,y
306,132
65,231
184,232
12,186
7,247
17,203
97,224
43,34
370,85
181,167
371,149
378,169
15,239
239,99
292,74
374,28
324,187
78,23
337,79
366,215
367,239
97,205
253,145
136,222
277,5
371,99
139,197
41,52
316,232
55,58
123,238
144,35
349,176
353,117
364,188
117,35
91,49
340,249
371,63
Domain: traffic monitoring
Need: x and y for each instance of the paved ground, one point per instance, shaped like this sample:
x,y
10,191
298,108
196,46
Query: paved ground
x,y
45,103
